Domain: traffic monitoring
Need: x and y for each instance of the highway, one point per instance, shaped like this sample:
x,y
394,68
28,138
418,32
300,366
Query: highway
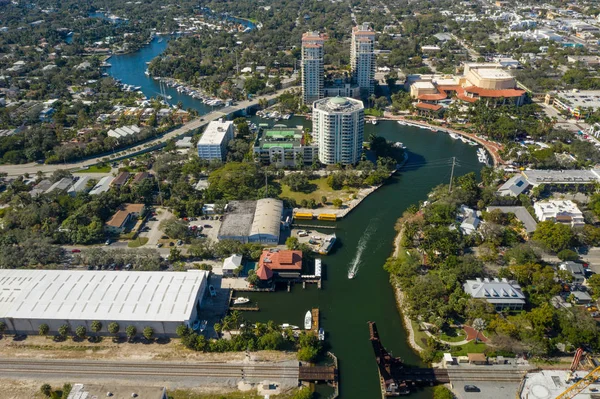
x,y
25,368
200,122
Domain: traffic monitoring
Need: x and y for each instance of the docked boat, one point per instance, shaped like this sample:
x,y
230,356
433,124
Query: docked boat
x,y
351,274
286,325
308,320
147,73
473,143
401,123
454,136
241,300
321,334
398,144
327,244
203,325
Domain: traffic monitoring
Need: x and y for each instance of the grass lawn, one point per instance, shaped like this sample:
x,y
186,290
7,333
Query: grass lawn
x,y
185,394
97,169
420,336
470,347
455,335
321,189
138,242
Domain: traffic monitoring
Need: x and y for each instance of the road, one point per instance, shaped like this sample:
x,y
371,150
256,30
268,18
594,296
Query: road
x,y
33,168
83,369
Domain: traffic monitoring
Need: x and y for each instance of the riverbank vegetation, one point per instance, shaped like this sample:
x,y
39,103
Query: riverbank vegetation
x,y
437,256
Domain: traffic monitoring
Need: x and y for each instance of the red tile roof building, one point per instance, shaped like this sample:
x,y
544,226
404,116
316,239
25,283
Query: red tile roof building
x,y
285,263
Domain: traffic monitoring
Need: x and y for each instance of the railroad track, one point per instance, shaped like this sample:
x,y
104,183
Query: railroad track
x,y
498,375
12,366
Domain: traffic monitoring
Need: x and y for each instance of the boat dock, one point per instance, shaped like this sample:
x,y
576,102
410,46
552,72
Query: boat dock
x,y
313,226
315,320
320,243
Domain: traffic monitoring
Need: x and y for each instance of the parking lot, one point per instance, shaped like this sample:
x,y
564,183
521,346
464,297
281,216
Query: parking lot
x,y
210,228
151,229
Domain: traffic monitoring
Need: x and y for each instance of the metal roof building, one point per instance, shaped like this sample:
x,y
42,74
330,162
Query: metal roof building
x,y
102,186
252,221
161,300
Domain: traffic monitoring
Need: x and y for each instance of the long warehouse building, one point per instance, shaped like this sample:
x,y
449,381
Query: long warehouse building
x,y
161,300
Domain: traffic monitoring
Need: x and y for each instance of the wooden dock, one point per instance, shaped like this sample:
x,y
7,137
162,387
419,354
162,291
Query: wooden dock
x,y
313,226
245,308
315,320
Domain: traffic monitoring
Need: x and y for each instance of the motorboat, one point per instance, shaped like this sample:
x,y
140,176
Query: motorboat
x,y
473,143
351,274
308,320
240,301
401,122
203,325
286,325
398,144
321,334
454,136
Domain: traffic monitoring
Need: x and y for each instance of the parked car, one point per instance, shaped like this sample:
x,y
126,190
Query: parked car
x,y
472,388
159,245
179,242
208,226
108,242
171,244
75,251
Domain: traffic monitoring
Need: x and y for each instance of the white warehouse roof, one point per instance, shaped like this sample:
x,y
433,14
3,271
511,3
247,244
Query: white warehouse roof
x,y
99,295
267,217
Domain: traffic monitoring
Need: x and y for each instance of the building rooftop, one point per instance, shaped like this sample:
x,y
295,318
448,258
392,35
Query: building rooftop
x,y
580,99
102,186
338,104
267,217
238,218
80,185
232,262
492,73
514,186
281,260
537,177
96,391
495,291
215,132
286,138
60,185
551,383
521,213
99,295
121,215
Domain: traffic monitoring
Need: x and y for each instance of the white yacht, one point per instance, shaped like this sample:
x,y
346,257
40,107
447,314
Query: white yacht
x,y
308,320
241,300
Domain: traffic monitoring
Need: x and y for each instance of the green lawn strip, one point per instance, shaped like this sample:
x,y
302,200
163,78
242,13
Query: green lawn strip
x,y
459,335
470,347
322,190
96,169
420,336
138,242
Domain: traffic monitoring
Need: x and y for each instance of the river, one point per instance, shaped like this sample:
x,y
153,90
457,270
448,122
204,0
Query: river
x,y
365,237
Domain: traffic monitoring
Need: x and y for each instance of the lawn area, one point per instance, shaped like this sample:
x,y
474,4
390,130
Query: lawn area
x,y
138,242
420,336
97,169
470,347
454,335
321,189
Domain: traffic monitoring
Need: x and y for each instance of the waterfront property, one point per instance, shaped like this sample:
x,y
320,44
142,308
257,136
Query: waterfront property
x,y
161,300
362,58
503,294
338,129
252,221
521,213
231,264
312,67
514,186
283,264
213,142
284,147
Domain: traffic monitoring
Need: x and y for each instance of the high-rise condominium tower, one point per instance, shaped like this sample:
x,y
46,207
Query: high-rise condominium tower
x,y
312,67
362,58
338,129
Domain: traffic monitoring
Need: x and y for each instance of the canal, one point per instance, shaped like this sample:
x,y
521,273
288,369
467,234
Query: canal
x,y
365,237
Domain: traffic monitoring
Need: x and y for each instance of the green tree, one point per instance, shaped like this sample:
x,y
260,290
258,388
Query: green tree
x,y
131,332
594,283
303,393
253,278
2,327
43,329
568,255
182,331
148,333
441,392
46,390
337,203
81,332
291,242
63,330
96,326
556,236
114,328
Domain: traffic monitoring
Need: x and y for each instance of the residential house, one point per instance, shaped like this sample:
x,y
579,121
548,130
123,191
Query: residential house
x,y
514,186
521,213
581,297
468,219
119,220
120,180
503,294
576,270
231,264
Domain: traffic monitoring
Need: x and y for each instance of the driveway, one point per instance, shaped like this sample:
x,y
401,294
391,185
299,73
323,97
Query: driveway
x,y
155,233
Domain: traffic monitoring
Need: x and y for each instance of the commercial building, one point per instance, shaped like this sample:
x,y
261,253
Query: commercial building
x,y
503,294
284,264
284,147
252,221
560,211
537,177
102,186
95,391
362,58
338,130
578,103
312,67
488,82
118,222
213,143
161,300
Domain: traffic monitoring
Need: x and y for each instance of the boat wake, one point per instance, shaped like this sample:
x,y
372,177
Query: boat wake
x,y
362,244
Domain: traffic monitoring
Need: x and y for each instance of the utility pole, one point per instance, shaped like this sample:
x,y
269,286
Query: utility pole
x,y
452,174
